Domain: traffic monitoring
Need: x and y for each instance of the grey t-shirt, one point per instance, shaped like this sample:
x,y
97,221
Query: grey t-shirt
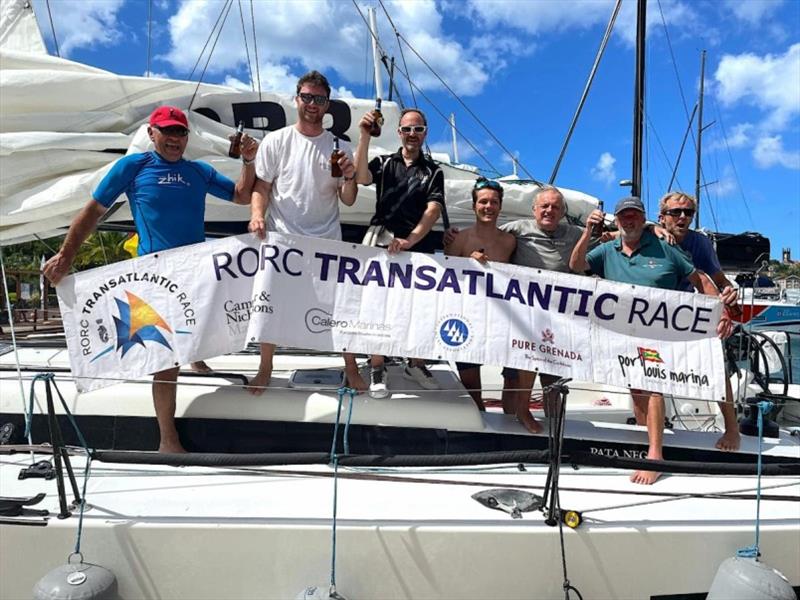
x,y
541,249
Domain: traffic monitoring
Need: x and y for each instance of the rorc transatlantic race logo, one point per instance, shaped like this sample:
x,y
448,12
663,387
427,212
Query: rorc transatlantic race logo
x,y
454,332
654,367
133,321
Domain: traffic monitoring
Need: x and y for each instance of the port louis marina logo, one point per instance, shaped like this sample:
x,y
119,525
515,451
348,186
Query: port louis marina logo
x,y
654,367
113,310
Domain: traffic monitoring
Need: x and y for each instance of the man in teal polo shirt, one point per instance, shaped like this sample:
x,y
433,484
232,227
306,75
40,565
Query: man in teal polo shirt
x,y
638,257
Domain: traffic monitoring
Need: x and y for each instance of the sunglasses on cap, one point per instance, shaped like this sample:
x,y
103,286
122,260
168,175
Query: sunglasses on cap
x,y
481,183
414,128
173,130
318,99
678,212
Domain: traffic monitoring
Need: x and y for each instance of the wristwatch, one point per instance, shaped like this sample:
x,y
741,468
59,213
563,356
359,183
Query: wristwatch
x,y
349,178
248,162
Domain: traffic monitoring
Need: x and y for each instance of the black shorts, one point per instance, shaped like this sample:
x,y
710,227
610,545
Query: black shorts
x,y
464,366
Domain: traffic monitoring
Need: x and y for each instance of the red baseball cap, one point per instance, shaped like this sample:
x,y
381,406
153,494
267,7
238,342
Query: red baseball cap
x,y
164,116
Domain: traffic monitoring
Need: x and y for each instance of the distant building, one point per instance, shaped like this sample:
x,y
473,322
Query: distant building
x,y
786,256
790,282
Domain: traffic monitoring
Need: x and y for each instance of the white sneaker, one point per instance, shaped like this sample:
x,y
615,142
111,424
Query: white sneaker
x,y
422,376
377,383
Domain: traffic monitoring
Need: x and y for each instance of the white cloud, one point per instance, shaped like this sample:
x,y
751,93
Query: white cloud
x,y
541,18
298,36
739,136
771,83
726,184
341,92
753,12
156,75
80,23
604,169
769,152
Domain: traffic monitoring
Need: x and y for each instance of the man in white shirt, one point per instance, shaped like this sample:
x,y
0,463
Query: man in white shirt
x,y
294,180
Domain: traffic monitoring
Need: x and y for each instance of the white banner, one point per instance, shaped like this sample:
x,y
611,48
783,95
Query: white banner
x,y
162,310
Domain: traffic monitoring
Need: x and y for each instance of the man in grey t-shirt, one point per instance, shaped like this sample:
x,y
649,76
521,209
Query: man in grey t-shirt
x,y
543,242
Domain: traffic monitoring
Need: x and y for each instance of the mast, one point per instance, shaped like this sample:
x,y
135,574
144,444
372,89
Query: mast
x,y
376,61
453,130
638,99
698,167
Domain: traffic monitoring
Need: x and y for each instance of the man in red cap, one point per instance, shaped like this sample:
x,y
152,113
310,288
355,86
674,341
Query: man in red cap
x,y
168,196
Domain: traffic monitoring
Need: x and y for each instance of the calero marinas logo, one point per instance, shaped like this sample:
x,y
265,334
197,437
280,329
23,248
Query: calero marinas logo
x,y
138,322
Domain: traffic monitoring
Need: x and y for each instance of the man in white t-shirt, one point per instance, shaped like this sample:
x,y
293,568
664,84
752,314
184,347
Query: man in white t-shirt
x,y
294,180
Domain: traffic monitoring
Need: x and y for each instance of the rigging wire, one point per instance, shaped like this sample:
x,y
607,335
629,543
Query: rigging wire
x,y
208,39
149,34
652,129
402,54
229,4
255,48
675,67
413,86
246,47
600,51
674,177
52,28
15,347
730,157
470,111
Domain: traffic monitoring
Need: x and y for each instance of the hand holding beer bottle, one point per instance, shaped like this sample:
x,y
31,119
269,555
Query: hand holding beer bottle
x,y
600,226
235,149
336,170
377,119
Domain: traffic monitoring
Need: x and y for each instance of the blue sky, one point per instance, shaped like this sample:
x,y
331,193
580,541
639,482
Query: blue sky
x,y
520,65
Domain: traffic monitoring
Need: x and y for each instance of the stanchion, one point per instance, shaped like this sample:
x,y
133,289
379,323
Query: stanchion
x,y
555,442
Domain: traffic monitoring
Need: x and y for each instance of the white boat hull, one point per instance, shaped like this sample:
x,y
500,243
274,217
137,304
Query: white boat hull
x,y
258,533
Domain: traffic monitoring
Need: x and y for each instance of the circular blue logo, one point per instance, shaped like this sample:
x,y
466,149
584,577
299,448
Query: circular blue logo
x,y
454,332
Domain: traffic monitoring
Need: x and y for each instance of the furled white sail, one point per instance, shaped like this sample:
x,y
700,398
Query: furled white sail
x,y
63,124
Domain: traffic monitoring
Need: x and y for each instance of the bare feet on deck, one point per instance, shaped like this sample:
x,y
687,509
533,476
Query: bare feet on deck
x,y
260,382
647,477
354,380
529,421
200,366
729,442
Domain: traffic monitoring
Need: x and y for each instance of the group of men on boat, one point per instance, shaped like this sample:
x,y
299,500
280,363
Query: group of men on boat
x,y
289,172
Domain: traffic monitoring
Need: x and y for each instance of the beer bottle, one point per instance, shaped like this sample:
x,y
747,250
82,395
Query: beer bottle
x,y
375,130
336,170
235,150
600,227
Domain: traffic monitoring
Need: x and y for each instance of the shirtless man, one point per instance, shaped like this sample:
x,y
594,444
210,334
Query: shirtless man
x,y
483,242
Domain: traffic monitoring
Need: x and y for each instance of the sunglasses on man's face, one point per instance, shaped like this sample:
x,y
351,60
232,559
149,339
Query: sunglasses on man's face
x,y
487,183
173,130
318,99
415,128
678,212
